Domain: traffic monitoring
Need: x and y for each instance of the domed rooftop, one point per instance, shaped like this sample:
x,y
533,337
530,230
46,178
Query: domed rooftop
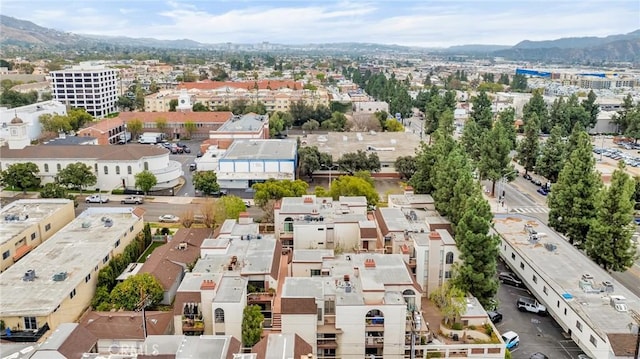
x,y
16,120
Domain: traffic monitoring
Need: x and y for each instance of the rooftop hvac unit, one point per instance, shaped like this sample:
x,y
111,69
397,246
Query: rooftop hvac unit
x,y
59,277
550,247
29,275
86,224
108,222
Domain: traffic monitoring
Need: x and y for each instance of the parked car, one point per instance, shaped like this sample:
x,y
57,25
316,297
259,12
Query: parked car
x,y
199,154
97,198
511,339
186,149
527,177
132,200
543,191
538,355
583,356
495,316
526,304
181,145
169,218
510,279
193,167
220,193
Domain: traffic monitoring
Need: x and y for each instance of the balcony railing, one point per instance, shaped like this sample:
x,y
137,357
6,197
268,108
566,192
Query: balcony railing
x,y
192,326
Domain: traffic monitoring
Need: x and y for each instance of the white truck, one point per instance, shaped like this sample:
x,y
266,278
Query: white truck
x,y
124,138
531,305
151,137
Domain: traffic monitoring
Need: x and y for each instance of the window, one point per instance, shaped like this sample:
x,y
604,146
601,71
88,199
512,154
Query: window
x,y
329,307
288,224
565,311
447,274
521,265
315,272
72,294
106,170
146,166
319,314
105,259
6,255
95,166
47,227
87,278
449,258
544,289
129,170
558,304
33,236
579,325
46,167
593,341
117,170
30,323
535,279
117,243
59,167
513,256
219,315
131,229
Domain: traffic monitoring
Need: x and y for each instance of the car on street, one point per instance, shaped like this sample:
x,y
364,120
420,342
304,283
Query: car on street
x,y
97,198
495,316
583,356
511,339
132,200
531,305
527,177
538,355
510,279
543,191
168,218
186,149
193,167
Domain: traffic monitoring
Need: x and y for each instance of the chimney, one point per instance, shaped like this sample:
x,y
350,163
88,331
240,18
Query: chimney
x,y
434,235
244,218
408,190
369,263
308,199
208,284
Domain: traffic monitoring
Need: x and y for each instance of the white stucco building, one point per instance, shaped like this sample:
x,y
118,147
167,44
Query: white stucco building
x,y
30,116
88,86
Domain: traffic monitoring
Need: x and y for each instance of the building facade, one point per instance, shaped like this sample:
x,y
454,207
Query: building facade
x,y
30,115
92,87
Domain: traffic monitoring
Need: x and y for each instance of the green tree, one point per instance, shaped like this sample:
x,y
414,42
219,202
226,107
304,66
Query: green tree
x,y
127,294
238,106
609,239
633,127
507,118
276,124
406,166
621,118
300,112
162,125
11,98
537,105
134,127
173,104
273,189
77,175
190,128
230,206
446,172
352,162
310,125
53,190
552,156
355,186
252,320
451,300
393,125
428,156
145,180
481,111
54,123
206,182
21,176
592,108
519,83
78,117
504,79
478,251
200,107
310,159
573,200
257,107
125,103
529,146
495,162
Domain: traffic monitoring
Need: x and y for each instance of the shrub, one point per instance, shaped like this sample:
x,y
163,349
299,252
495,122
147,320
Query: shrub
x,y
456,326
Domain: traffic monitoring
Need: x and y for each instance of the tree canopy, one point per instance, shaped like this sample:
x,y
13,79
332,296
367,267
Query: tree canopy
x,y
77,175
352,162
22,176
252,320
206,182
127,294
273,189
145,180
355,186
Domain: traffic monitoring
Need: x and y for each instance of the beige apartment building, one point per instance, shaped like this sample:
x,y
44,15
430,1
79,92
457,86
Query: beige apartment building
x,y
59,280
27,223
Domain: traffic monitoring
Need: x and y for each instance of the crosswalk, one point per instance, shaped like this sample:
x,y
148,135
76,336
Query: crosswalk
x,y
531,209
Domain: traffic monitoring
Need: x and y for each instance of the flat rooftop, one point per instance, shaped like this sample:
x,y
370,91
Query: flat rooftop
x,y
388,145
186,347
563,268
75,249
310,208
250,122
231,289
35,209
411,200
400,220
261,150
311,255
254,256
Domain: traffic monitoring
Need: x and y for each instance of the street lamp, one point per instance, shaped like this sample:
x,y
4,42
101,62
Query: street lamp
x,y
330,168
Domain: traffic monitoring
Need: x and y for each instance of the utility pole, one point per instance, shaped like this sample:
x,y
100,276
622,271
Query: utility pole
x,y
141,306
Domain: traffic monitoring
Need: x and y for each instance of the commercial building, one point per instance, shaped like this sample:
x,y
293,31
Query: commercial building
x,y
249,126
88,86
106,132
599,314
177,123
253,161
27,223
30,116
58,281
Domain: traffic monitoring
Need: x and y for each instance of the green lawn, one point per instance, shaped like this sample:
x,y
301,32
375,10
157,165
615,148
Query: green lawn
x,y
146,253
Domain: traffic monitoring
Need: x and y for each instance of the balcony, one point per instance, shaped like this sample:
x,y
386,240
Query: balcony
x,y
327,343
374,342
192,326
24,336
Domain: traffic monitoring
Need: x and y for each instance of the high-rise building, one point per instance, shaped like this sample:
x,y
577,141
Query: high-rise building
x,y
88,86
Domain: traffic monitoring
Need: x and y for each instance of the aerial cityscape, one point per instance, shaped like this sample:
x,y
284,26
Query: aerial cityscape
x,y
319,179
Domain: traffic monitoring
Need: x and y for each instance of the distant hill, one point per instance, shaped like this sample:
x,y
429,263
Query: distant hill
x,y
615,51
21,32
576,42
476,48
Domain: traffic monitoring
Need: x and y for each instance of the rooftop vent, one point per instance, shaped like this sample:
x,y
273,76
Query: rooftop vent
x,y
59,277
369,263
29,276
550,247
208,284
86,224
619,303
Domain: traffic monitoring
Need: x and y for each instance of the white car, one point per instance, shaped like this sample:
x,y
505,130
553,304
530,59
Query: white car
x,y
169,218
132,200
97,198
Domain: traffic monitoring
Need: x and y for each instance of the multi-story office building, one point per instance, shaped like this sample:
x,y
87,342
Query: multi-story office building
x,y
27,223
59,280
87,86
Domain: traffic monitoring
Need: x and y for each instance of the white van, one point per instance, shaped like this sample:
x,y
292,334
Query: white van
x,y
511,339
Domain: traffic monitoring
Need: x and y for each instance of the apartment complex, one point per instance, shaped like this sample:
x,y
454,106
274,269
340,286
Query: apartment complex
x,y
58,281
27,223
88,86
596,313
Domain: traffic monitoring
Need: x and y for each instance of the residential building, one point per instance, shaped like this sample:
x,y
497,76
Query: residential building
x,y
123,332
253,161
282,345
177,122
68,341
311,222
88,86
27,223
370,107
30,116
187,347
58,281
409,199
582,298
114,166
106,132
168,263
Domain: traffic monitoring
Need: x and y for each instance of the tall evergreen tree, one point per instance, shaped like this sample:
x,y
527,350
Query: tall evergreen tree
x,y
592,108
621,118
609,239
507,117
552,156
572,202
537,105
529,147
478,251
428,155
495,162
481,111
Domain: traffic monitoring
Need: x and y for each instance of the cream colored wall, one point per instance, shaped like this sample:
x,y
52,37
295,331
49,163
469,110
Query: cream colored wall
x,y
305,325
303,269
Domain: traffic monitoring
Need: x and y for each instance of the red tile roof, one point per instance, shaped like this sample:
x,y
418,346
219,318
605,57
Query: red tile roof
x,y
248,85
176,117
102,126
75,152
298,306
80,341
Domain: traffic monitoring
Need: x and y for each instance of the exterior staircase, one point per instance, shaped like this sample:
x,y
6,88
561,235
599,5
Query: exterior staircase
x,y
276,322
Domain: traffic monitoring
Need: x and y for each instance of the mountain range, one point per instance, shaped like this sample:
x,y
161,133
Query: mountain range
x,y
613,48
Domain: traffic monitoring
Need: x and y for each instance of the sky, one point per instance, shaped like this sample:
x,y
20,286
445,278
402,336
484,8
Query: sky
x,y
425,23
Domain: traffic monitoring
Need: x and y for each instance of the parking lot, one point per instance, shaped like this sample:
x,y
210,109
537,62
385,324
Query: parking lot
x,y
537,333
